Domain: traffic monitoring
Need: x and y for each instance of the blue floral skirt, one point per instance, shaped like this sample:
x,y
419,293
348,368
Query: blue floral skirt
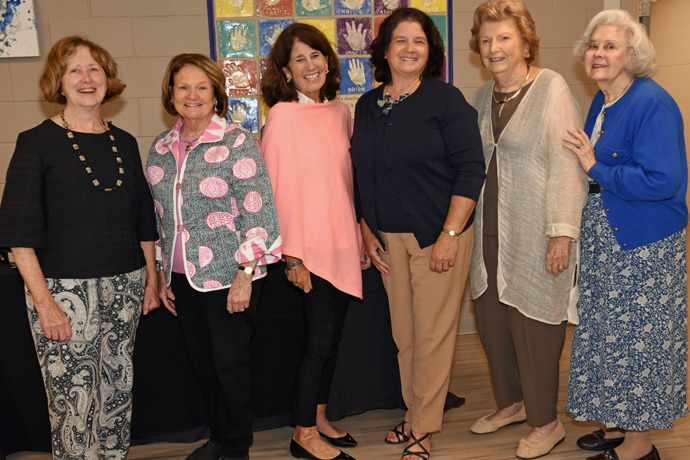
x,y
629,360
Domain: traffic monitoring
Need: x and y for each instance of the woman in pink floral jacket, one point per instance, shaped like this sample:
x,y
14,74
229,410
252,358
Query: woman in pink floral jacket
x,y
219,229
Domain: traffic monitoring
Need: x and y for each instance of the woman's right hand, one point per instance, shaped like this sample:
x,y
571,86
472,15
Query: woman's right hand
x,y
54,321
299,275
166,294
372,246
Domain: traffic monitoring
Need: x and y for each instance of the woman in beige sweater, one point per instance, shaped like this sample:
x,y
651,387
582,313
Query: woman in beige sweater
x,y
524,262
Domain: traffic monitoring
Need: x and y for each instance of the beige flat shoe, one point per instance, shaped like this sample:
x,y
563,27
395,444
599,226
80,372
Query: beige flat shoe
x,y
484,426
527,450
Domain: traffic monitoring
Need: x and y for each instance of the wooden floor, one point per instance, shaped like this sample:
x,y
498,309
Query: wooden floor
x,y
470,380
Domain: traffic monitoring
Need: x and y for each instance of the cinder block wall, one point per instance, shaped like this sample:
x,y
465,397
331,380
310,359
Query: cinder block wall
x,y
142,36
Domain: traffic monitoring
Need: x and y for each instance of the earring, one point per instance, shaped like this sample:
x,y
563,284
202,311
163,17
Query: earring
x,y
215,105
289,79
527,55
327,70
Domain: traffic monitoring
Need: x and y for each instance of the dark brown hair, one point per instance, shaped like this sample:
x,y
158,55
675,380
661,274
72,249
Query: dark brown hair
x,y
50,82
499,10
379,46
211,70
274,85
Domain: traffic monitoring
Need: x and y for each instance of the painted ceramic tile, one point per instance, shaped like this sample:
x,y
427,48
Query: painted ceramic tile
x,y
274,8
262,68
237,39
430,6
440,21
350,100
313,7
244,111
356,76
386,7
240,76
353,35
234,8
264,112
352,7
377,25
327,26
269,29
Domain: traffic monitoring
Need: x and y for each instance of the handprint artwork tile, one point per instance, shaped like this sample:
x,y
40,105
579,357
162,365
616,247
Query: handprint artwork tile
x,y
269,29
351,7
234,8
353,35
274,8
313,7
430,6
244,112
326,26
356,76
386,7
240,76
237,39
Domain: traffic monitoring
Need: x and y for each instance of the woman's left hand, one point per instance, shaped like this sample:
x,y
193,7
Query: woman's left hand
x,y
579,144
443,253
240,293
558,255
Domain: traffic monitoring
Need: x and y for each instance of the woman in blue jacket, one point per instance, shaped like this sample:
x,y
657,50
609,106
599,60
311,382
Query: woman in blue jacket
x,y
628,368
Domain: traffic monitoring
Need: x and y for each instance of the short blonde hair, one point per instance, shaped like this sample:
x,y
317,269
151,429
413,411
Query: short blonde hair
x,y
208,66
56,63
499,10
643,62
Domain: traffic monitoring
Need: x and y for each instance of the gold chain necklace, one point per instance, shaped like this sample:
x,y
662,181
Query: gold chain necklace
x,y
88,169
508,99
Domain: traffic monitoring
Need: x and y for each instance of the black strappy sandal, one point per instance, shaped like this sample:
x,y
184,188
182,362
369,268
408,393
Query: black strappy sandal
x,y
424,454
400,435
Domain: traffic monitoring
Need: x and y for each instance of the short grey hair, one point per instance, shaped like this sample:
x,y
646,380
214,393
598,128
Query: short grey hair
x,y
643,62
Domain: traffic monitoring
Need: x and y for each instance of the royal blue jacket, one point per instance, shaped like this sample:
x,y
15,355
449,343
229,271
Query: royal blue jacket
x,y
641,164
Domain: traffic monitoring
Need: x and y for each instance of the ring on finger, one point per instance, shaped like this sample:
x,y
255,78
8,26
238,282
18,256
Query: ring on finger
x,y
581,145
561,267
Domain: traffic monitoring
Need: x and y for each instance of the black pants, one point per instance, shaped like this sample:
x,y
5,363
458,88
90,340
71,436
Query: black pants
x,y
218,345
324,309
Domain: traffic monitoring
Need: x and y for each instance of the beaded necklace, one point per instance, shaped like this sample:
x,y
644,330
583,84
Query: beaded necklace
x,y
387,103
88,169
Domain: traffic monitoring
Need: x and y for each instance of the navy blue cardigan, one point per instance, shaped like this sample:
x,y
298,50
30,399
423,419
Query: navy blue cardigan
x,y
641,164
432,149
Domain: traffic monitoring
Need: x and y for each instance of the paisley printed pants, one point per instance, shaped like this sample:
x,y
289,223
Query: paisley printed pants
x,y
88,379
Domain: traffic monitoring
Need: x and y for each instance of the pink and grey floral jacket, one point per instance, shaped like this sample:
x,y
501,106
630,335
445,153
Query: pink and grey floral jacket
x,y
224,198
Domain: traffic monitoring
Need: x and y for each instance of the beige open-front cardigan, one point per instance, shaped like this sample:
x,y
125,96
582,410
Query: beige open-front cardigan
x,y
541,192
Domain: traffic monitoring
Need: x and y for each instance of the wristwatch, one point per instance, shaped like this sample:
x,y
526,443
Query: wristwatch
x,y
451,232
247,270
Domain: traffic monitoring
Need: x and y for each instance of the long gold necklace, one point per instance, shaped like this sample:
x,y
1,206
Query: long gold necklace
x,y
88,169
508,99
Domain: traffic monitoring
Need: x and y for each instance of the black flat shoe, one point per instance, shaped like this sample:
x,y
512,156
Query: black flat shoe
x,y
298,451
611,455
597,441
343,441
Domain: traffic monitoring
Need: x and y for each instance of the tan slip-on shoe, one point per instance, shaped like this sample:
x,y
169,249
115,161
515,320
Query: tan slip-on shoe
x,y
484,426
527,450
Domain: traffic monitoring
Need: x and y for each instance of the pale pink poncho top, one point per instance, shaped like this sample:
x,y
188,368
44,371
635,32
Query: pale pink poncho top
x,y
306,148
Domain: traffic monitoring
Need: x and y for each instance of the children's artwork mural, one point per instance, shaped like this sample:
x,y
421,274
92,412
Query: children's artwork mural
x,y
18,37
244,32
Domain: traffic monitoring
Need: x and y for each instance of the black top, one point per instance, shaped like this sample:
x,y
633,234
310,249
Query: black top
x,y
432,149
77,229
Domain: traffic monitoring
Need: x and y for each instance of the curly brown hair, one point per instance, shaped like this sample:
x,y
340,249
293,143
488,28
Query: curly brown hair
x,y
50,82
274,85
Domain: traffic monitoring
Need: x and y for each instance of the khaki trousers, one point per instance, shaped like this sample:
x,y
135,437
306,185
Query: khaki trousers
x,y
424,309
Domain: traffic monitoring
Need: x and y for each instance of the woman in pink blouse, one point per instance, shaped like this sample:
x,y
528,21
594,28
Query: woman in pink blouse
x,y
306,149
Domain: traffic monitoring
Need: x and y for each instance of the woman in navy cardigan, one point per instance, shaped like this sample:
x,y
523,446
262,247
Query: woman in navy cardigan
x,y
629,361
